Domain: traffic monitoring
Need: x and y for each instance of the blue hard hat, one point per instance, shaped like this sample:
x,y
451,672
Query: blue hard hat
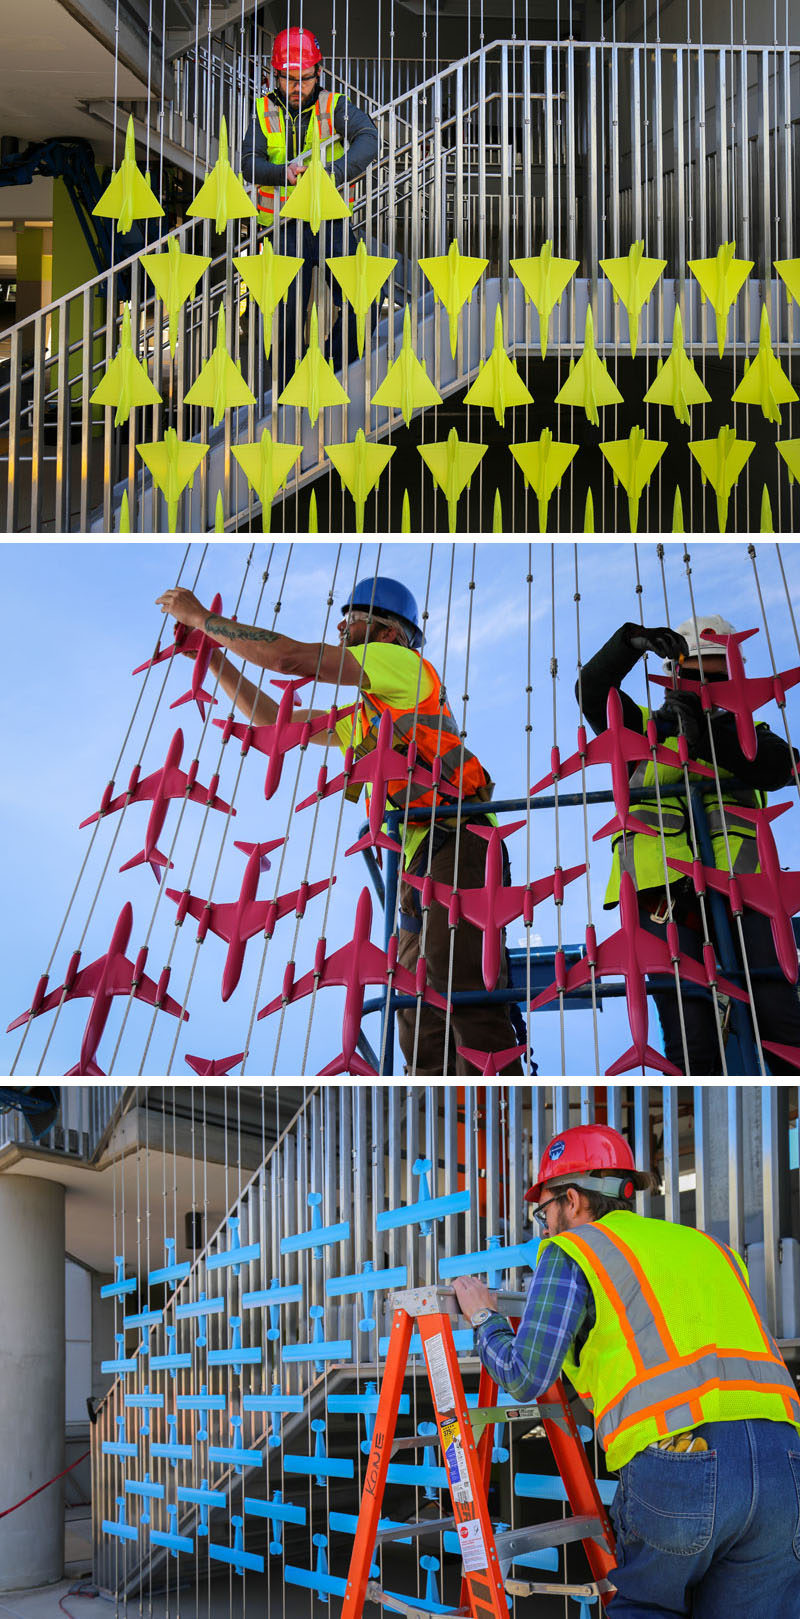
x,y
384,595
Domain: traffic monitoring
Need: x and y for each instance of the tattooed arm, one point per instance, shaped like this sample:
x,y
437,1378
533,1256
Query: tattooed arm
x,y
333,665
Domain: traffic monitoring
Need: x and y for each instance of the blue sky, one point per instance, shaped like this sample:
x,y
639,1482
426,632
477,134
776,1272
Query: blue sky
x,y
81,616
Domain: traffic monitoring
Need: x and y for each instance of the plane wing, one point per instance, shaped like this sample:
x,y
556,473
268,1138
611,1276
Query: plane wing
x,y
87,982
370,966
653,957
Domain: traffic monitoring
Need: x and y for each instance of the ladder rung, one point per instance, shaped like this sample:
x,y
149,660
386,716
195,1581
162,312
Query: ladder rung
x,y
535,1588
515,1542
415,1531
409,1607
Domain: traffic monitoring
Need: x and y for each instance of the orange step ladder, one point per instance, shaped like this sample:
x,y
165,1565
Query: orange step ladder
x,y
466,1439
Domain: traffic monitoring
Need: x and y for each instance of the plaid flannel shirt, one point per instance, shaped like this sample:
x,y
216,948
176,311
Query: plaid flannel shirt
x,y
559,1302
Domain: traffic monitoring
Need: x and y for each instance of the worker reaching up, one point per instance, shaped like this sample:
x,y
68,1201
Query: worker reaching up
x,y
743,783
276,145
655,1328
380,654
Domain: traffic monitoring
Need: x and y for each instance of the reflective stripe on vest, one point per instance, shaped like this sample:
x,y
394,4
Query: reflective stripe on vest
x,y
272,119
432,727
655,1388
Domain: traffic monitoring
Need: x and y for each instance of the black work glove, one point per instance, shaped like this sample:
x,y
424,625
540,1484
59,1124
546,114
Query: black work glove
x,y
663,641
682,711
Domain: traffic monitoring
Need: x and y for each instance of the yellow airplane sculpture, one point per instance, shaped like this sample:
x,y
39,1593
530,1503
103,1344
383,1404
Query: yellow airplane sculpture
x,y
545,280
266,466
315,197
677,383
174,275
454,278
129,194
767,522
172,465
313,521
314,382
589,383
765,382
588,513
125,382
222,196
268,276
543,462
633,461
721,460
452,464
219,515
721,280
361,275
497,514
359,466
220,383
405,515
124,524
633,279
407,385
789,272
790,451
498,383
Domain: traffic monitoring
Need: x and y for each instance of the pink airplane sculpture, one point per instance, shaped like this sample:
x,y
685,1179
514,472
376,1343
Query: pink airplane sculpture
x,y
202,646
380,766
168,782
772,891
206,1066
633,952
491,1063
355,965
789,1054
276,740
112,974
493,906
240,920
738,694
618,747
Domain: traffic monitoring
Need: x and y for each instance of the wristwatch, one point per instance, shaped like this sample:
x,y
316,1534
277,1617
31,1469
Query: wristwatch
x,y
479,1317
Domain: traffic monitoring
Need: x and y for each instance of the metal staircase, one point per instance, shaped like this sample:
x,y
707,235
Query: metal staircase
x,y
509,147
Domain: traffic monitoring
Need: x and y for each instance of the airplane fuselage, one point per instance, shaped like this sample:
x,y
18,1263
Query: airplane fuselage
x,y
101,1000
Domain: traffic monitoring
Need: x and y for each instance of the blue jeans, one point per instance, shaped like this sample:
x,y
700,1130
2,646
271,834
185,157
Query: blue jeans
x,y
331,242
714,1534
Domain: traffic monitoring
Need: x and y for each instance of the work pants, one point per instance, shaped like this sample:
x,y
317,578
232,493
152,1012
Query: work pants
x,y
714,1534
330,242
777,1003
483,1028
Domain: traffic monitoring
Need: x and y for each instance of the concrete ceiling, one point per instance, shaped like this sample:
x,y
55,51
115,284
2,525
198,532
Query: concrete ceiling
x,y
48,65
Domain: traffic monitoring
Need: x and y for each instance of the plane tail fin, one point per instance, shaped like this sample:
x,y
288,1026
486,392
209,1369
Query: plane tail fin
x,y
629,824
632,1058
157,862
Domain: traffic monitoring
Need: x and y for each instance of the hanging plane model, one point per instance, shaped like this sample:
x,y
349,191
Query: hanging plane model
x,y
241,920
112,974
738,694
276,740
619,747
633,952
494,905
354,965
382,766
202,646
168,782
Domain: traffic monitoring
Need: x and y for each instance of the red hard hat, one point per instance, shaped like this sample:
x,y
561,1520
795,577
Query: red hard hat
x,y
578,1151
295,48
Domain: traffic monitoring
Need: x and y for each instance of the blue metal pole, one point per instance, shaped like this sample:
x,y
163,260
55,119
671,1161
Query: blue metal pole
x,y
728,959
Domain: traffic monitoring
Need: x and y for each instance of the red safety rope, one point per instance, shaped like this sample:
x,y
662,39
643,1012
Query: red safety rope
x,y
46,1486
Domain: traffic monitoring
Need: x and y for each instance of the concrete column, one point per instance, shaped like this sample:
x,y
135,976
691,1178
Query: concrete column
x,y
32,1351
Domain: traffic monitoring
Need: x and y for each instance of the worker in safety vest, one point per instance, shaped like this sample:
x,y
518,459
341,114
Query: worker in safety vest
x,y
276,144
380,654
743,782
655,1328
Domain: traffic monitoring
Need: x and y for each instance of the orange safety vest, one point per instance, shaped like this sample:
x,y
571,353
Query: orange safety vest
x,y
272,119
432,727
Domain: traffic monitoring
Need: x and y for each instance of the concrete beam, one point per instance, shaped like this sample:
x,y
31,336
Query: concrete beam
x,y
99,19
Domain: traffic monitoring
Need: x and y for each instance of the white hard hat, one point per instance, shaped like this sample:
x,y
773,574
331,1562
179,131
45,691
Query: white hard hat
x,y
693,628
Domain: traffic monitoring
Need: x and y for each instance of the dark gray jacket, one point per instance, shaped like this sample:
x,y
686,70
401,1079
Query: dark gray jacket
x,y
353,126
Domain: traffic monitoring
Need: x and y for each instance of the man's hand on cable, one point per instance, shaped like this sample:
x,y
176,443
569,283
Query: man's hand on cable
x,y
184,607
682,711
473,1295
294,171
662,640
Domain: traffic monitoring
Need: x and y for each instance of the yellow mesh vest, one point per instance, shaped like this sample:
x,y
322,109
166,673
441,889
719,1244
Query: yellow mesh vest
x,y
677,1341
272,119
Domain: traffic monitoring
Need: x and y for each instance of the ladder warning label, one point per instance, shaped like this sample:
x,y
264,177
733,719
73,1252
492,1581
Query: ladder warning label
x,y
472,1546
460,1488
439,1374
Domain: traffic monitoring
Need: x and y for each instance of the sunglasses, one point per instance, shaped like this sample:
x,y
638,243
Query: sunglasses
x,y
540,1215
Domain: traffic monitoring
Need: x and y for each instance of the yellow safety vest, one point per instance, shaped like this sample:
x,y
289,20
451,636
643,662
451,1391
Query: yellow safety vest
x,y
272,119
678,1340
643,856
